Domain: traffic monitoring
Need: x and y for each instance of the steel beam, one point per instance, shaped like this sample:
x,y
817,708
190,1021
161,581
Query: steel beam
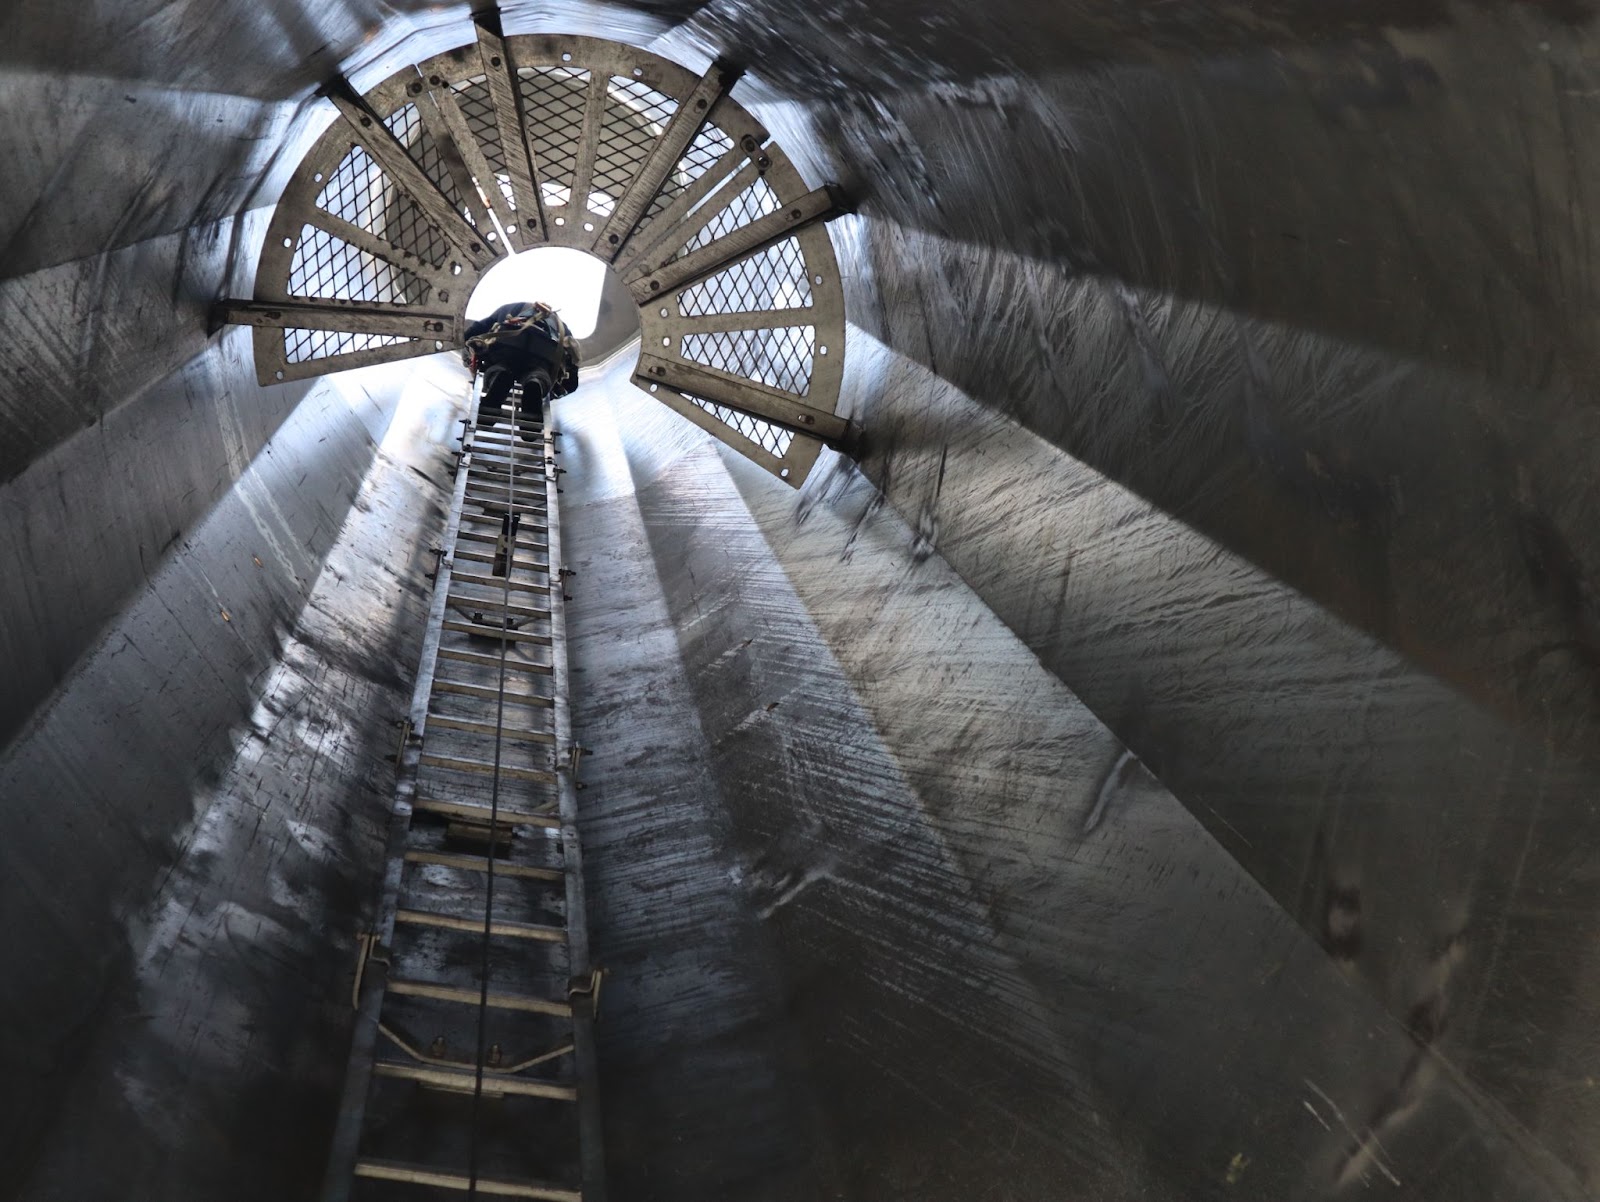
x,y
462,155
374,137
822,204
687,121
522,164
769,404
676,228
344,318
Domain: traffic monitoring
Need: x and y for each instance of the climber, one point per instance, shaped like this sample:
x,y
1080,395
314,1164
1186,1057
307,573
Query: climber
x,y
524,342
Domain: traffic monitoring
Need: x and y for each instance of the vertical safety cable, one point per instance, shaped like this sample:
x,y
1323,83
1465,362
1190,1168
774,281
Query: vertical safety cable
x,y
494,794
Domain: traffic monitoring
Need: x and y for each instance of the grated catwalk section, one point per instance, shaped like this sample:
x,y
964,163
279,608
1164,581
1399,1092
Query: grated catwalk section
x,y
472,1066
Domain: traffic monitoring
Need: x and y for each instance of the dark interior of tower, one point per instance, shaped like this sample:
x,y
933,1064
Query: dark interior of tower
x,y
1034,636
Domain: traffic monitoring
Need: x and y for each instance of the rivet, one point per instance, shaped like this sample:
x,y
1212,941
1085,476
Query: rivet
x,y
794,214
655,285
701,103
613,239
494,61
366,121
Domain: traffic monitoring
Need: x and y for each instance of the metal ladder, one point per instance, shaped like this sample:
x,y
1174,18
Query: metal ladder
x,y
472,1069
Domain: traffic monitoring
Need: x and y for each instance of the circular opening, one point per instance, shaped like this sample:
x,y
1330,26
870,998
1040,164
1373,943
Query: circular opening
x,y
566,58
784,472
822,350
567,280
278,374
666,342
561,221
588,227
288,242
638,72
819,279
317,177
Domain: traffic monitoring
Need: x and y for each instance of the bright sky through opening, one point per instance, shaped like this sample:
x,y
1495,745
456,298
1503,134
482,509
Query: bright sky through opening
x,y
567,280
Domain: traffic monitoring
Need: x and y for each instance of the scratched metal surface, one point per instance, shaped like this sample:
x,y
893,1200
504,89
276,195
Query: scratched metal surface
x,y
863,856
193,829
1226,376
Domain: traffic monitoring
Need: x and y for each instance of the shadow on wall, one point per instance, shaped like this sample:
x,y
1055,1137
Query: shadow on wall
x,y
191,828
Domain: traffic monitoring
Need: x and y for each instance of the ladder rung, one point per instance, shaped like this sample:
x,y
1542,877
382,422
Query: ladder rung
x,y
449,859
501,477
497,633
503,930
520,611
526,1003
500,490
529,453
491,557
462,689
493,661
499,582
473,536
498,505
485,768
416,1174
494,1085
480,813
473,727
486,449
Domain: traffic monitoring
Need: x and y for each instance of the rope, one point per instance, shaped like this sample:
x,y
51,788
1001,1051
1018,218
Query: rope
x,y
517,401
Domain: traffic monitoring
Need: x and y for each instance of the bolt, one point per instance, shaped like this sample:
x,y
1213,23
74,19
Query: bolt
x,y
613,239
414,88
701,103
494,61
366,121
655,285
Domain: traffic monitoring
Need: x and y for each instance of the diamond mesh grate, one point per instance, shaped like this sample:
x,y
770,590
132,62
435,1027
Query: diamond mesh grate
x,y
765,435
634,117
553,100
708,147
477,106
361,194
300,346
779,358
774,279
330,268
755,201
406,125
355,191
